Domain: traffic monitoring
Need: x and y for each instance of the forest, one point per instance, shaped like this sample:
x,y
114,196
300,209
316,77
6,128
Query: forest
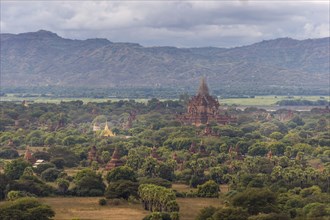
x,y
272,165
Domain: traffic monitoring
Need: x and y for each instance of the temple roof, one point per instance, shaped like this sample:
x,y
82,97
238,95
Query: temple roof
x,y
203,88
107,132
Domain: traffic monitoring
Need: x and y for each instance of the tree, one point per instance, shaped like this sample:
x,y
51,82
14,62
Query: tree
x,y
28,171
216,174
58,162
258,149
3,185
230,213
42,167
89,183
316,210
41,155
122,189
166,171
70,159
206,213
150,167
256,200
62,185
135,157
156,198
50,175
31,184
121,173
156,181
15,168
8,154
209,189
25,209
105,156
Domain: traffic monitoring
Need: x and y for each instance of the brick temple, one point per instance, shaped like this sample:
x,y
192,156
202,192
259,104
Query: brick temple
x,y
203,109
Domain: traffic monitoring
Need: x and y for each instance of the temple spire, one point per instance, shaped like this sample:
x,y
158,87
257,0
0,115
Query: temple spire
x,y
203,88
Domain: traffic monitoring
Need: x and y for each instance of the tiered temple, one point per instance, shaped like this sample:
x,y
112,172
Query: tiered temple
x,y
203,109
115,160
92,155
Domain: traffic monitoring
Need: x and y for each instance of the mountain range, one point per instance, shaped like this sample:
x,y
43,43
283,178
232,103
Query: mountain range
x,y
43,58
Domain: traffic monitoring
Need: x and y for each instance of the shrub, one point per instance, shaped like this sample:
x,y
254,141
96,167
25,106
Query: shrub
x,y
115,202
256,200
50,175
209,189
13,195
102,202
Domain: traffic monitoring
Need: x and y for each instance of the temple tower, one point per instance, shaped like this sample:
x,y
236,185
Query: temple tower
x,y
115,160
203,108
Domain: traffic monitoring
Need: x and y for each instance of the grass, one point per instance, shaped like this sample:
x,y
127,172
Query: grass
x,y
88,208
190,207
180,187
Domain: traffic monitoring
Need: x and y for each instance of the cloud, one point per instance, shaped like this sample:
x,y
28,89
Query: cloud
x,y
173,23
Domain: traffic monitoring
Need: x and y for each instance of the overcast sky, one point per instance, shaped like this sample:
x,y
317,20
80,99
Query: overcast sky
x,y
225,23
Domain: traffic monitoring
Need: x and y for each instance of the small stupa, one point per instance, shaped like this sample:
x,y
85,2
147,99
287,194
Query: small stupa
x,y
28,155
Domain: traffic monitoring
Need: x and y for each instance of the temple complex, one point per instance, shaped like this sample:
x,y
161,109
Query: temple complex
x,y
115,160
203,109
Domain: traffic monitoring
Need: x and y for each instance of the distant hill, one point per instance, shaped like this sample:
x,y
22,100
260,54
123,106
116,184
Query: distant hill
x,y
43,58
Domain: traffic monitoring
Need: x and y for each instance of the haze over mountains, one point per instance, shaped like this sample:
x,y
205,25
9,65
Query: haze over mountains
x,y
45,59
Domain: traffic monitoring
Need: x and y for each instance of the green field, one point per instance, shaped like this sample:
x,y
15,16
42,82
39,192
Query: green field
x,y
266,100
257,101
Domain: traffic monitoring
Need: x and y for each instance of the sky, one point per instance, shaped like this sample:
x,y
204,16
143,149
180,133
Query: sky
x,y
226,23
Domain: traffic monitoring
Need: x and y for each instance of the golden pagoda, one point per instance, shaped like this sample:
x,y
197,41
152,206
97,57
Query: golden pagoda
x,y
107,132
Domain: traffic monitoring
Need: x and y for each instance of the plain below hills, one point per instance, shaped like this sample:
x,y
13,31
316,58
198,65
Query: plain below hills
x,y
43,58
